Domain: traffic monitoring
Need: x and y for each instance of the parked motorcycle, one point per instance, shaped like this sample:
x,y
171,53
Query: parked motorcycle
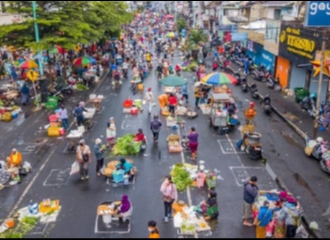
x,y
258,73
254,91
319,149
273,84
244,85
238,77
309,104
239,60
266,105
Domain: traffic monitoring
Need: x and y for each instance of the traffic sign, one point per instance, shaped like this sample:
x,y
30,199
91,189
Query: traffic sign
x,y
32,75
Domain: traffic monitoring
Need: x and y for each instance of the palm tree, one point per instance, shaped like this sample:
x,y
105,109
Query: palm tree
x,y
194,39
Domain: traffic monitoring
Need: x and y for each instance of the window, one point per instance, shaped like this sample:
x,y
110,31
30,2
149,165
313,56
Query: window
x,y
277,14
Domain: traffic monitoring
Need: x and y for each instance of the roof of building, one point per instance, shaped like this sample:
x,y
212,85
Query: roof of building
x,y
277,3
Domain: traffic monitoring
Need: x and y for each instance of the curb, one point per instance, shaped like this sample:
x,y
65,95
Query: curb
x,y
281,184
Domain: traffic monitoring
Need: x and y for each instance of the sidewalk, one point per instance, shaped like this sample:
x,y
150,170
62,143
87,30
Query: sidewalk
x,y
291,111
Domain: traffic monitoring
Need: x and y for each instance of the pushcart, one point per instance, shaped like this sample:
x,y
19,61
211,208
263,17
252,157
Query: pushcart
x,y
253,146
88,116
96,102
74,137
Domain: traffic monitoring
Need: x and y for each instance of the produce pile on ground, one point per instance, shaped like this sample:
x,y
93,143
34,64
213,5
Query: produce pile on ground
x,y
23,228
181,177
81,87
112,165
126,146
191,67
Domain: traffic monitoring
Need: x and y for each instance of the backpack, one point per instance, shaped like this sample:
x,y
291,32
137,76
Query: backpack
x,y
155,126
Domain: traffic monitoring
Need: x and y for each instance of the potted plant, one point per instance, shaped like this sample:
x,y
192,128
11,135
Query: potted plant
x,y
195,37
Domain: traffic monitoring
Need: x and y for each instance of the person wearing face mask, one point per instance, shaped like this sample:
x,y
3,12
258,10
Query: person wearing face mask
x,y
84,158
170,195
153,230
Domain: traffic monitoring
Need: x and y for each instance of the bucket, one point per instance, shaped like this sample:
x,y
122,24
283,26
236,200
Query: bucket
x,y
2,111
14,115
62,131
10,222
254,137
134,111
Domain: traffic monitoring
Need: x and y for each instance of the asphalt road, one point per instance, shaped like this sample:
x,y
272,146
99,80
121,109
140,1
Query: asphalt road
x,y
79,200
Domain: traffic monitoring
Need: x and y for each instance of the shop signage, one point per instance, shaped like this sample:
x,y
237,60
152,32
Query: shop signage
x,y
239,37
298,44
318,14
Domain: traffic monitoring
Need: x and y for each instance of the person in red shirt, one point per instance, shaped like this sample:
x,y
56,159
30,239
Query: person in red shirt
x,y
139,137
215,66
172,102
178,69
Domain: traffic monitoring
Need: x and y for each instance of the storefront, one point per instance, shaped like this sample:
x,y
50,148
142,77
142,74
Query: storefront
x,y
298,47
260,56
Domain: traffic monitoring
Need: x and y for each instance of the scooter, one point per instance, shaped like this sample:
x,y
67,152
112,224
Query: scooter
x,y
266,105
238,77
259,73
244,85
320,151
254,91
309,104
273,84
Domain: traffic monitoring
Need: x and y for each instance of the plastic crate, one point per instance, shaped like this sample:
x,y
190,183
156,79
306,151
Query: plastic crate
x,y
51,106
300,93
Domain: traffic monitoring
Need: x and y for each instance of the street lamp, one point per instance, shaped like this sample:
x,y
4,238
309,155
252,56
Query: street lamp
x,y
36,29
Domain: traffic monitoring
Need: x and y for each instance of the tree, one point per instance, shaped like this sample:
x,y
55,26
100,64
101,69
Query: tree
x,y
194,38
181,24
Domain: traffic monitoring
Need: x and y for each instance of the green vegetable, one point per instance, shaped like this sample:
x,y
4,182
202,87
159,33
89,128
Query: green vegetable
x,y
181,178
81,87
23,228
126,146
1,103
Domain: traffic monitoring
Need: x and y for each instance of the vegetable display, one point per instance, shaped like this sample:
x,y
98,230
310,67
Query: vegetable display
x,y
181,177
126,146
23,228
191,67
81,87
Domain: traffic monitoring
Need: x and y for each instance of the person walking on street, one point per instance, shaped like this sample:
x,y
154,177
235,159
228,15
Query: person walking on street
x,y
172,103
263,219
249,197
193,143
25,91
155,127
170,195
197,96
184,91
149,98
153,230
83,156
111,132
99,152
63,113
78,113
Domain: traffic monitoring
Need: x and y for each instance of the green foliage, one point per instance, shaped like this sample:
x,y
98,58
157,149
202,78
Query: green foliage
x,y
181,24
126,146
194,38
64,23
24,227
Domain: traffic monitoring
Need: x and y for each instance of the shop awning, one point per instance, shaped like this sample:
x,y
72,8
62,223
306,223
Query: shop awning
x,y
257,25
277,3
226,21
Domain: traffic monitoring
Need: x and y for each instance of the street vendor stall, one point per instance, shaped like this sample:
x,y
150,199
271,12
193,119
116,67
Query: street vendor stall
x,y
174,145
117,176
187,223
96,101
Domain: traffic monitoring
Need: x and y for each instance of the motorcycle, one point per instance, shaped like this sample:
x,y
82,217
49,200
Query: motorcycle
x,y
273,84
309,104
239,60
237,75
266,105
254,91
258,73
319,150
244,85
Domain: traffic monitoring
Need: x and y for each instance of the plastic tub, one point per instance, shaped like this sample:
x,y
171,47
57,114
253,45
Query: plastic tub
x,y
254,137
138,103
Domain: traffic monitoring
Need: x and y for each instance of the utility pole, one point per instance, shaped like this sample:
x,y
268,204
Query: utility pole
x,y
36,29
194,13
319,90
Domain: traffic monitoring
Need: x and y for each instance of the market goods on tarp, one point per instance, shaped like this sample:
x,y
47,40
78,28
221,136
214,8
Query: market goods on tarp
x,y
6,117
181,177
126,146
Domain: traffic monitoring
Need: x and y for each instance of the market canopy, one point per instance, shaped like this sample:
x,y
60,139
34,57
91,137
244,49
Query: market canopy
x,y
28,64
173,81
219,79
169,16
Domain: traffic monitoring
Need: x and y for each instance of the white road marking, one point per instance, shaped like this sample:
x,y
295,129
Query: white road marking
x,y
62,178
27,189
235,151
227,149
128,125
96,229
42,232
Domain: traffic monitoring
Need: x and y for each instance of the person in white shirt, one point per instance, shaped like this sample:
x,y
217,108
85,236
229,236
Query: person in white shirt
x,y
149,98
83,156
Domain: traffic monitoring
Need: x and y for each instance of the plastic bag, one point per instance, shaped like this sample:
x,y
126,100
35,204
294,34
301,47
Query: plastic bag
x,y
74,168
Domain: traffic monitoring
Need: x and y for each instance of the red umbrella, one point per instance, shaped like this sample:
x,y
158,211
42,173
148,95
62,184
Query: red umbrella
x,y
61,50
169,16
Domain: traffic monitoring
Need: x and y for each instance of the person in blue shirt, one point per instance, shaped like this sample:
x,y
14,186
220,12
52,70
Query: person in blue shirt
x,y
184,91
25,91
264,217
113,68
126,166
78,113
246,66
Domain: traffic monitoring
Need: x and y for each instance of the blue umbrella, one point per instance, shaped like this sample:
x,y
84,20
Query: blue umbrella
x,y
92,60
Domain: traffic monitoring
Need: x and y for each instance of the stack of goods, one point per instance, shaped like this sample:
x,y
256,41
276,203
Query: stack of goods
x,y
184,175
126,146
163,103
181,111
54,129
52,103
9,113
127,105
171,121
174,145
222,89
